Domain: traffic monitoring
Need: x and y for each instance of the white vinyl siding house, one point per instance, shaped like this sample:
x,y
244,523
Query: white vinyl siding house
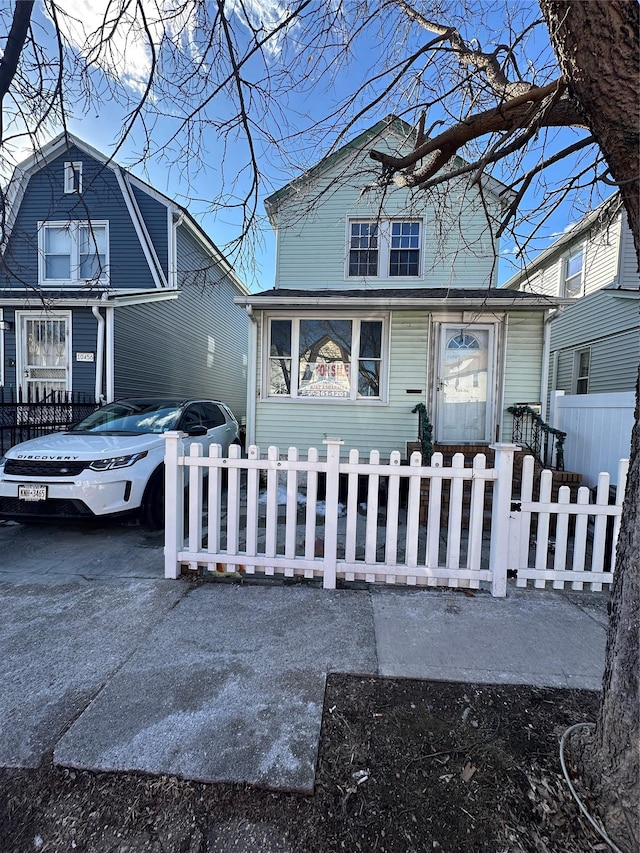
x,y
607,324
594,343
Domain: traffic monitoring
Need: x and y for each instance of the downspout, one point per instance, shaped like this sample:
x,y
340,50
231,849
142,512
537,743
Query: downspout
x,y
110,354
95,310
499,424
252,379
546,348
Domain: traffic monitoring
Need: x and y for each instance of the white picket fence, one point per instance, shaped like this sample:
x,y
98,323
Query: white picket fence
x,y
565,542
342,519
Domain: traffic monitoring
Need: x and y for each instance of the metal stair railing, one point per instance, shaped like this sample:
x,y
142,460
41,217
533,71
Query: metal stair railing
x,y
544,442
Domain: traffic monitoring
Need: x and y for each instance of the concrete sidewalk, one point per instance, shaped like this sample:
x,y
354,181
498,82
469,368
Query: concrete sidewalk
x,y
219,682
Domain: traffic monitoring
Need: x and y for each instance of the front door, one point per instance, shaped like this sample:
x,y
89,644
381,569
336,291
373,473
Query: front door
x,y
465,383
44,352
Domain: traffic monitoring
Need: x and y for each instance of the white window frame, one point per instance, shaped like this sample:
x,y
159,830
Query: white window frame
x,y
577,276
384,248
577,376
73,177
74,227
355,348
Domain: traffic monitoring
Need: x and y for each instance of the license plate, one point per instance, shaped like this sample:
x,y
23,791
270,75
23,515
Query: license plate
x,y
32,493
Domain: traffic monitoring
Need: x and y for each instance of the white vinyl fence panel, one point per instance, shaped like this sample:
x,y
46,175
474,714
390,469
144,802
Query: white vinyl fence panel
x,y
598,428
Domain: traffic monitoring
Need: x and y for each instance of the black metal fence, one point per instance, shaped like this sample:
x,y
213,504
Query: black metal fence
x,y
29,416
541,440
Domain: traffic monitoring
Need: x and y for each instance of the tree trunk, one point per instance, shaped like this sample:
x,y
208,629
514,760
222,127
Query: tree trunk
x,y
598,47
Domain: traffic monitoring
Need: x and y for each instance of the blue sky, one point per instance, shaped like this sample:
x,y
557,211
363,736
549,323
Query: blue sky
x,y
309,82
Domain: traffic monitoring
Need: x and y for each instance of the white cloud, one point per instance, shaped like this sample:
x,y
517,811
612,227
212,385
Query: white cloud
x,y
127,56
263,15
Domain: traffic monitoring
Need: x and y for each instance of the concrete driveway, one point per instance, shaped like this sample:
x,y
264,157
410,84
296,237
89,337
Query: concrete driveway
x,y
50,553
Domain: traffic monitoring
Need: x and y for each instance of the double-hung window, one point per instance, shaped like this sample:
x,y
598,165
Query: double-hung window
x,y
322,358
73,252
384,249
572,274
404,253
363,249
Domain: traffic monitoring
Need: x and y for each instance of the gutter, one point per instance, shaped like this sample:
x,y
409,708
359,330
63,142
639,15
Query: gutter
x,y
408,304
132,298
146,296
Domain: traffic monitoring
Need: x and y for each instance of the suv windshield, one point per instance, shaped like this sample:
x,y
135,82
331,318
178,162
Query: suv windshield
x,y
133,416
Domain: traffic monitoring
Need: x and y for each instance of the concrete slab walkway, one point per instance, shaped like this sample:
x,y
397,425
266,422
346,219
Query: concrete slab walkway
x,y
219,682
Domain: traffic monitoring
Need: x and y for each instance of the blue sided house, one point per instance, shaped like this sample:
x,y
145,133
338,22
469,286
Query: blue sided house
x,y
111,289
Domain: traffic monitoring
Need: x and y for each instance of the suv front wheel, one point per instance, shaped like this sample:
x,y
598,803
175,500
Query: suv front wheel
x,y
152,510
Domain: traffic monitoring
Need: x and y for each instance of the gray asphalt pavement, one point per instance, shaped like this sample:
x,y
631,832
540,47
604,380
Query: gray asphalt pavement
x,y
111,667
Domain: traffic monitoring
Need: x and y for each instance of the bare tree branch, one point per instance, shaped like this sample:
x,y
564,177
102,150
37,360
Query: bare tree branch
x,y
13,49
517,113
487,63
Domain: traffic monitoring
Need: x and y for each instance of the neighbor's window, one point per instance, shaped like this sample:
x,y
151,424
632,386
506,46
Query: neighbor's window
x,y
582,365
73,177
73,251
572,280
384,249
325,358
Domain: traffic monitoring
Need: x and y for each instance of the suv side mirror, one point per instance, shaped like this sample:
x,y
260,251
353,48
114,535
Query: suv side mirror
x,y
197,431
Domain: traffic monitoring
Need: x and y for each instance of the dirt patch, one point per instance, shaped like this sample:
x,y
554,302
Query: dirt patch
x,y
403,766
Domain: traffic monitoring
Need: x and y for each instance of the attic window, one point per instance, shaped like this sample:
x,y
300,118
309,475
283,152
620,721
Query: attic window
x,y
73,177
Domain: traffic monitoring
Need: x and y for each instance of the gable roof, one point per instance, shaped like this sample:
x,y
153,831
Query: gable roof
x,y
595,221
126,180
390,125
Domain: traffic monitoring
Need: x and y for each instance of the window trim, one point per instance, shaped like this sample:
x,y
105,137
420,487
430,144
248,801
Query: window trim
x,y
384,247
74,227
382,399
73,177
577,376
566,258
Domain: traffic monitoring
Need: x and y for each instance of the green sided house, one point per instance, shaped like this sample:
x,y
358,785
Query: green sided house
x,y
386,298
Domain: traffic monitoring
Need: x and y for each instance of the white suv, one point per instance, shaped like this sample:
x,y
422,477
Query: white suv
x,y
109,464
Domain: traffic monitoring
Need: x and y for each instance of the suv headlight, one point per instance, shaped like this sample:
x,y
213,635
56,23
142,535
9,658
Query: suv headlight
x,y
117,461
